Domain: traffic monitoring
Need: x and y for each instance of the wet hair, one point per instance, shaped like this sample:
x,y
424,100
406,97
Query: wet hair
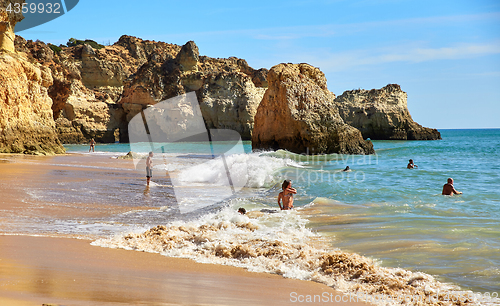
x,y
411,161
241,210
450,180
285,184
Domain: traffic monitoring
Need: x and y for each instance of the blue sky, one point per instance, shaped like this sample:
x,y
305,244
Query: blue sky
x,y
444,54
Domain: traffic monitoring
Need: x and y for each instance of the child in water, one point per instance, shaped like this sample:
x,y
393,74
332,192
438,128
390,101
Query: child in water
x,y
286,195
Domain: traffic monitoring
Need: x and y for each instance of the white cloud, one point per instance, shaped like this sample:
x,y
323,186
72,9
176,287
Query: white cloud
x,y
331,30
342,61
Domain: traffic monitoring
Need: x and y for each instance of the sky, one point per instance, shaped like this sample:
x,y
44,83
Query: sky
x,y
445,54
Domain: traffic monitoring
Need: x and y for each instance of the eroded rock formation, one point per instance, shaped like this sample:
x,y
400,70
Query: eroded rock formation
x,y
229,90
297,113
26,122
88,82
97,91
382,114
8,21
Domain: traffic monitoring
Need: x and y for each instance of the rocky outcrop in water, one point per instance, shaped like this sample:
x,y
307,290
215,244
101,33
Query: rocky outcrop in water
x,y
96,90
382,114
26,122
297,113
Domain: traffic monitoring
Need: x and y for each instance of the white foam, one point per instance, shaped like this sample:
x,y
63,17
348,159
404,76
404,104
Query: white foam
x,y
259,170
277,243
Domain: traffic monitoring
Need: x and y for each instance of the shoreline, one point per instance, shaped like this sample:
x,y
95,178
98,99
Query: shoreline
x,y
60,258
59,269
65,271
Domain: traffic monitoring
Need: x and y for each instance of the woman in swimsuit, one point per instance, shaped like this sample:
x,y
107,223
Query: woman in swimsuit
x,y
286,195
92,145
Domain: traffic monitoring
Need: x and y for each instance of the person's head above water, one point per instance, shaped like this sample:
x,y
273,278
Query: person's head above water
x,y
242,211
450,181
286,184
411,161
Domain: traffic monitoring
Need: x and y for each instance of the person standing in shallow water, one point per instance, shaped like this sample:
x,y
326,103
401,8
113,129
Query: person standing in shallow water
x,y
92,145
149,167
286,196
449,189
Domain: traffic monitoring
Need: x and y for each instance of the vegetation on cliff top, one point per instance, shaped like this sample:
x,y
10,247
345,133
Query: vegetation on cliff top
x,y
75,42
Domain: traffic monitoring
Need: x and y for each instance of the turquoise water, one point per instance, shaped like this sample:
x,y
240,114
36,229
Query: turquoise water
x,y
387,212
399,216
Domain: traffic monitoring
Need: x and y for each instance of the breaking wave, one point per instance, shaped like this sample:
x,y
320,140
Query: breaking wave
x,y
280,243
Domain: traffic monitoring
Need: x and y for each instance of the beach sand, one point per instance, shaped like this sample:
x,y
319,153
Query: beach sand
x,y
63,271
68,271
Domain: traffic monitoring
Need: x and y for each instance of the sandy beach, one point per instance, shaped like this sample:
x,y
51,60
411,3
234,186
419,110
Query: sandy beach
x,y
62,271
67,271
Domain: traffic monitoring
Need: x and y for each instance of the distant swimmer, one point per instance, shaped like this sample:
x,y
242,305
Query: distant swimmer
x,y
286,195
347,169
149,167
449,189
255,213
411,165
92,145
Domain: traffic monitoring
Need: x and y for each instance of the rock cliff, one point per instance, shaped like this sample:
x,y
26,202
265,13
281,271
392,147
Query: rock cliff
x,y
26,122
88,82
297,113
228,90
382,114
8,21
97,91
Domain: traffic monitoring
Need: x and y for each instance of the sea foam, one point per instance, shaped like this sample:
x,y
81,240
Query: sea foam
x,y
259,170
280,243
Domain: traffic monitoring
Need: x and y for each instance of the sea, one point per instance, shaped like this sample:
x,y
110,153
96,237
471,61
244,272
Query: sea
x,y
380,217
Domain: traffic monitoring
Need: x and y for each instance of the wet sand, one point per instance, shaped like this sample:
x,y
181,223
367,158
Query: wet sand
x,y
67,271
63,271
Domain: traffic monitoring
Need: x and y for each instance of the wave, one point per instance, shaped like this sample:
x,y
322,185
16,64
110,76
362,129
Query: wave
x,y
302,157
280,243
260,171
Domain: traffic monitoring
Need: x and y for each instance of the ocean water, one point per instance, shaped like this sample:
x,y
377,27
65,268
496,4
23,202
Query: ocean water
x,y
395,218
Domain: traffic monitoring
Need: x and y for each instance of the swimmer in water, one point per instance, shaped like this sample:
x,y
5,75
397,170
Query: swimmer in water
x,y
411,165
286,196
449,189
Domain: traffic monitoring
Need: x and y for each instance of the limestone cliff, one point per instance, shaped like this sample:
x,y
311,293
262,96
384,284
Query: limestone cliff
x,y
88,82
8,21
382,114
26,122
97,91
297,114
228,90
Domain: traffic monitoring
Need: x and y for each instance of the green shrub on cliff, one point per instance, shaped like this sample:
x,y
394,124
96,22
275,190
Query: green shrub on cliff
x,y
75,42
55,48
